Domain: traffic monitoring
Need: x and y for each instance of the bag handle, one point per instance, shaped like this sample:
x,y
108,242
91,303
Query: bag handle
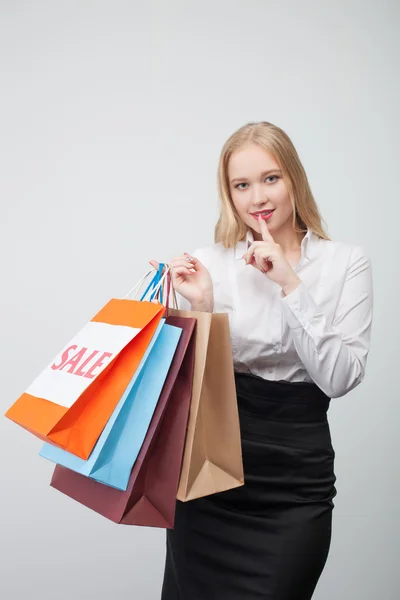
x,y
156,291
169,286
152,285
137,285
156,282
168,293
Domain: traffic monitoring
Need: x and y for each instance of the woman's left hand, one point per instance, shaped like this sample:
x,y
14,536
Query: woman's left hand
x,y
268,257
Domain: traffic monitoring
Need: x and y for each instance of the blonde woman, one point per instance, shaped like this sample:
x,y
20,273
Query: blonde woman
x,y
300,309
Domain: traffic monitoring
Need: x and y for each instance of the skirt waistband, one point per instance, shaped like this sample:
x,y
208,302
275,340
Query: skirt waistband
x,y
299,401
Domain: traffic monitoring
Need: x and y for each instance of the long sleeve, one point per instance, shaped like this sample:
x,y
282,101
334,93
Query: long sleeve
x,y
334,354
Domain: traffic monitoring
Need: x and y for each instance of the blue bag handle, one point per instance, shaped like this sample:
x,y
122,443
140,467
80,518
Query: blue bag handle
x,y
153,284
158,292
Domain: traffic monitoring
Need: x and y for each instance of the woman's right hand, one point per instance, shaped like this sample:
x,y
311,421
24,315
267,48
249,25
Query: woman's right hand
x,y
192,280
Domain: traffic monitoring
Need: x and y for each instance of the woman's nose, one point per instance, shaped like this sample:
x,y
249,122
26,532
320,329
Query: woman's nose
x,y
259,197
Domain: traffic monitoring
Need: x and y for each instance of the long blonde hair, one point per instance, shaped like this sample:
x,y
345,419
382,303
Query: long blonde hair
x,y
230,229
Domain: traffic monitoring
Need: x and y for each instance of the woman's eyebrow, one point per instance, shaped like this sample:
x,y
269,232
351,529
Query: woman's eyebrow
x,y
263,173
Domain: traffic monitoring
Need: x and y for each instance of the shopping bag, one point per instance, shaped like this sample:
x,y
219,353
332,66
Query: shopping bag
x,y
212,460
70,402
150,498
58,455
119,444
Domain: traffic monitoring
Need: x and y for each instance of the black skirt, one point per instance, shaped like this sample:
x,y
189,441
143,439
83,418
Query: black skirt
x,y
270,538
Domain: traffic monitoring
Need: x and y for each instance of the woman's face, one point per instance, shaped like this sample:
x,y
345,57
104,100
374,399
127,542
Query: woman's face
x,y
257,186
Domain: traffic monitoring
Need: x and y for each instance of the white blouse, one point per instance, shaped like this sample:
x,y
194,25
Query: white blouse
x,y
319,332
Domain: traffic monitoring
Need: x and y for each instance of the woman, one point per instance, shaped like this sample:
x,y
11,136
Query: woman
x,y
300,309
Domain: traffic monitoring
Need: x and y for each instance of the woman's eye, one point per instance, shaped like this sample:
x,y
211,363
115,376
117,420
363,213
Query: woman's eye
x,y
274,177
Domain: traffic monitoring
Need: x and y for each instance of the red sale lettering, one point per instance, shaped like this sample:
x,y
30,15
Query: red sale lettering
x,y
74,361
64,358
98,363
82,358
80,371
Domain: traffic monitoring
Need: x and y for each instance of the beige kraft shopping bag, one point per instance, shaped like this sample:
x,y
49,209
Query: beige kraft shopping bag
x,y
212,460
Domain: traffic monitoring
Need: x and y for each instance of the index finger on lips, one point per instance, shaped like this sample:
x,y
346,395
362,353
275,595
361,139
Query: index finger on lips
x,y
266,235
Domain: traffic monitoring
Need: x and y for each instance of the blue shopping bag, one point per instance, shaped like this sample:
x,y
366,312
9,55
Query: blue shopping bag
x,y
116,451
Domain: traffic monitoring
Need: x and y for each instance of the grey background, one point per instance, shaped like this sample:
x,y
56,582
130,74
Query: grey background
x,y
112,118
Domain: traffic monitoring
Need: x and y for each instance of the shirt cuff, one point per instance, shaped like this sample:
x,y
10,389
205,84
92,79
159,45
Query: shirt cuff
x,y
299,307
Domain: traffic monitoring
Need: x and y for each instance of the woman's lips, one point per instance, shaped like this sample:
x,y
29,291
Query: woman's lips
x,y
264,215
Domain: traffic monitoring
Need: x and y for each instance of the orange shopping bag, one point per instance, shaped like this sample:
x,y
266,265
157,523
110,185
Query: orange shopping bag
x,y
70,402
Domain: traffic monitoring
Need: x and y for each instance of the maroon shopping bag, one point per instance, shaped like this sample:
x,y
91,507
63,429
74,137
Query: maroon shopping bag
x,y
151,494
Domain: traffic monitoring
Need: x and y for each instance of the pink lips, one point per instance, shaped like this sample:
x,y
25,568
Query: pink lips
x,y
264,217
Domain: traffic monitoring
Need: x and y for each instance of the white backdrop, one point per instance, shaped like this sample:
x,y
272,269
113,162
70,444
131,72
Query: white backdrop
x,y
113,115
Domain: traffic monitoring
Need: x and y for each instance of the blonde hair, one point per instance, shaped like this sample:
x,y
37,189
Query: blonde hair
x,y
230,229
